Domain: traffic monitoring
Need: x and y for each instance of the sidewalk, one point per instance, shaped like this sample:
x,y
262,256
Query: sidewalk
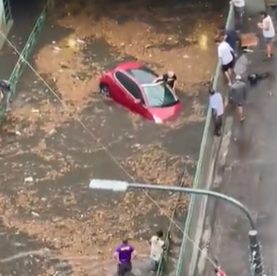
x,y
249,176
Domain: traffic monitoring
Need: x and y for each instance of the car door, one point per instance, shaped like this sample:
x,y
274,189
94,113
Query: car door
x,y
133,98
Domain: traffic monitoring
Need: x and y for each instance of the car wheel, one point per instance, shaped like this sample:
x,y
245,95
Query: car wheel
x,y
104,90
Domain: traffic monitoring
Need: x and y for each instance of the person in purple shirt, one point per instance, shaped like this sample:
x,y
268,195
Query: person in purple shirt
x,y
124,254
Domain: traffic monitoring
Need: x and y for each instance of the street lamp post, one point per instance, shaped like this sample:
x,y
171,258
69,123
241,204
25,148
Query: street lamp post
x,y
257,267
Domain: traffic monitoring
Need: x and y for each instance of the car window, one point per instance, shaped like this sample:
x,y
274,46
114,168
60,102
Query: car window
x,y
129,84
143,75
159,95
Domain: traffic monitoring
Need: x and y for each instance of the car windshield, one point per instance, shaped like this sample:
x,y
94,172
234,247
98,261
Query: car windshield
x,y
159,95
143,75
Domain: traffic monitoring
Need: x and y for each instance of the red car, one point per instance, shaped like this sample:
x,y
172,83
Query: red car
x,y
134,86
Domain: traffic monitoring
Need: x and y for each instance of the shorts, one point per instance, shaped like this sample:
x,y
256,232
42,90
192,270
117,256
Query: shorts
x,y
154,265
124,268
268,40
228,66
239,11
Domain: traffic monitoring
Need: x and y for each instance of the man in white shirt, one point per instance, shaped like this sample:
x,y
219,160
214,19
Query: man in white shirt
x,y
268,29
226,57
157,248
217,106
239,7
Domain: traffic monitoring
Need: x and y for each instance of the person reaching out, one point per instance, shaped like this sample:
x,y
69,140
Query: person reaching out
x,y
169,78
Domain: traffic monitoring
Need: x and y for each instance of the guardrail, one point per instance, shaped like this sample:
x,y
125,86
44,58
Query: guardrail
x,y
189,252
163,263
24,56
7,11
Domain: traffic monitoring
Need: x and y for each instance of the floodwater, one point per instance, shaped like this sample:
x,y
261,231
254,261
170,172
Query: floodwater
x,y
51,150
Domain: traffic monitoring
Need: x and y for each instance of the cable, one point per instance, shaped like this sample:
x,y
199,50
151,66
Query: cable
x,y
65,106
95,138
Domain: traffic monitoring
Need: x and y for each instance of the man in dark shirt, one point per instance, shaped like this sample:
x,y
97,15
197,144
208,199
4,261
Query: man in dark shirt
x,y
168,78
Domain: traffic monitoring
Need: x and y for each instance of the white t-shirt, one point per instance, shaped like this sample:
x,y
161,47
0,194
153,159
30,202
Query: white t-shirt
x,y
270,32
216,102
225,51
157,248
238,3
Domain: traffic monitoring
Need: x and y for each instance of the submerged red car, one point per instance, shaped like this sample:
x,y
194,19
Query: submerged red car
x,y
134,86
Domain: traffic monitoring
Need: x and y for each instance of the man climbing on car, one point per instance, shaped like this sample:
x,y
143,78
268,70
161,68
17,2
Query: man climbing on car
x,y
169,78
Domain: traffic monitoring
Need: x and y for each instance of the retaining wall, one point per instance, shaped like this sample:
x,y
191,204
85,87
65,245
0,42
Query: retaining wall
x,y
189,252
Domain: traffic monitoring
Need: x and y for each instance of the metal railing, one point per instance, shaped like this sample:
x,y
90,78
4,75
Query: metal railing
x,y
7,11
24,56
189,252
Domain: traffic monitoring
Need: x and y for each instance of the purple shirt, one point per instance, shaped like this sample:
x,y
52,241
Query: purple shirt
x,y
124,252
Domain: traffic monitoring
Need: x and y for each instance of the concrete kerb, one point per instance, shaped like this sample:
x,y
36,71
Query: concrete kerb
x,y
185,251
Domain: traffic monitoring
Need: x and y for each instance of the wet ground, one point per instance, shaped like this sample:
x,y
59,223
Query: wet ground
x,y
61,135
249,175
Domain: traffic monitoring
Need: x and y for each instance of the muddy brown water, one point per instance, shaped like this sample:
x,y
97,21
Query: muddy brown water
x,y
48,157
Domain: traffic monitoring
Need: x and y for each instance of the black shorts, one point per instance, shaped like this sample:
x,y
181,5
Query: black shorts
x,y
124,268
228,66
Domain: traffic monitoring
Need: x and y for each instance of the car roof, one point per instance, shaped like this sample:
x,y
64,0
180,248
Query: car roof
x,y
142,75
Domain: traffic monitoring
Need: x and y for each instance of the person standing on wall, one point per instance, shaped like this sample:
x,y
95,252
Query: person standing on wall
x,y
230,36
239,7
217,106
226,56
267,27
157,248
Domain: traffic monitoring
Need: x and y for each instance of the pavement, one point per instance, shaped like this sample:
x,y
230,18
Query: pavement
x,y
249,175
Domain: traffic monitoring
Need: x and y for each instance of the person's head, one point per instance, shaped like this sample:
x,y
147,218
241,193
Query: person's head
x,y
125,241
222,28
220,37
211,91
170,74
160,234
263,14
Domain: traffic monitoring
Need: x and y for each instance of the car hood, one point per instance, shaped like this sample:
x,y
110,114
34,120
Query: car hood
x,y
163,114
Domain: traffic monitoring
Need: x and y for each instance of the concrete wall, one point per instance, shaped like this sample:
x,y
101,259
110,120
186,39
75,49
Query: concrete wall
x,y
255,6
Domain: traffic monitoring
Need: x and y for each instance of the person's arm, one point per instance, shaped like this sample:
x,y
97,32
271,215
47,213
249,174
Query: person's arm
x,y
158,79
245,92
219,56
174,83
134,253
116,256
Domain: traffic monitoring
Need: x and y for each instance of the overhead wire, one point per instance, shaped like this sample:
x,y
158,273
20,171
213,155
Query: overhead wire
x,y
83,125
